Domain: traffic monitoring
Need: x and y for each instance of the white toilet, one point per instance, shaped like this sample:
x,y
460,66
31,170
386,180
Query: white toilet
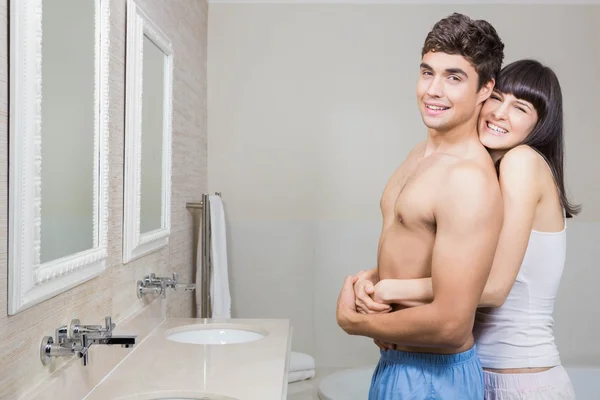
x,y
349,384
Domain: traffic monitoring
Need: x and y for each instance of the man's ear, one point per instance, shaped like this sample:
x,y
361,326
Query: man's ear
x,y
486,90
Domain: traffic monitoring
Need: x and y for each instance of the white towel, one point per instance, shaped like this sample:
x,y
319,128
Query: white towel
x,y
297,376
219,282
302,366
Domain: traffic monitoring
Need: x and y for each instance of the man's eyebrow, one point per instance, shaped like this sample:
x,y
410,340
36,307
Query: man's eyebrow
x,y
456,71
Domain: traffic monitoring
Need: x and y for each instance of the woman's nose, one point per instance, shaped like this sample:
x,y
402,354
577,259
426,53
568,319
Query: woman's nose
x,y
500,112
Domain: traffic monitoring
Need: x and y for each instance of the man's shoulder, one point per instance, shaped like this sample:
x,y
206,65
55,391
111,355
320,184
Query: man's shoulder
x,y
412,157
469,167
467,177
419,149
470,192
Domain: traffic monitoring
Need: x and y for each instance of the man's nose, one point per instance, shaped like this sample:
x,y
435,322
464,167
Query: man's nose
x,y
435,88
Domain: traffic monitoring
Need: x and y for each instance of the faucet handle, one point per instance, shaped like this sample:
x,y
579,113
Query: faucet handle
x,y
174,281
73,331
61,334
77,331
109,324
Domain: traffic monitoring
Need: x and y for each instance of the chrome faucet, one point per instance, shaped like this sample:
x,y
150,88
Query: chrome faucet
x,y
151,284
77,339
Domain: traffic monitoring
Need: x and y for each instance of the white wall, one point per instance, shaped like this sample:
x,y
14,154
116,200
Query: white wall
x,y
312,107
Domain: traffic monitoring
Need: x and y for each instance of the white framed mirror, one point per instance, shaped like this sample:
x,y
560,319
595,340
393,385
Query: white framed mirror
x,y
58,147
148,125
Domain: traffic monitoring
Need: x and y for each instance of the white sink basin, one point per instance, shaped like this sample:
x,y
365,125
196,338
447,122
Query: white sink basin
x,y
216,333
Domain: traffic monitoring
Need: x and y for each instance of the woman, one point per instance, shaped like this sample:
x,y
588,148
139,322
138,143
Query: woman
x,y
521,124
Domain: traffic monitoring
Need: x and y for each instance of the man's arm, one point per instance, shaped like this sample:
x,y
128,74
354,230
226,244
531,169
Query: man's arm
x,y
468,215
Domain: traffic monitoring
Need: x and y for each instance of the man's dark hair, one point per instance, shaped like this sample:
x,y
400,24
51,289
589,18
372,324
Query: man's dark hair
x,y
475,40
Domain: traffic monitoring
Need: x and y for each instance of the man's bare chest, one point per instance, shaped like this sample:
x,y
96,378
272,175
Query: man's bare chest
x,y
410,199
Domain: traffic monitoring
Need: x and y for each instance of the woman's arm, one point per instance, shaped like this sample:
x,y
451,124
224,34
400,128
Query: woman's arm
x,y
519,182
406,292
364,289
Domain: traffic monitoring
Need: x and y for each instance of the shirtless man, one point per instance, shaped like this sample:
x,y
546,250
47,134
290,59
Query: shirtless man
x,y
442,215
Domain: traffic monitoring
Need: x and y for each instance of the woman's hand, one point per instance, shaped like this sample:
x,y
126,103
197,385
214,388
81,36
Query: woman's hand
x,y
383,291
364,289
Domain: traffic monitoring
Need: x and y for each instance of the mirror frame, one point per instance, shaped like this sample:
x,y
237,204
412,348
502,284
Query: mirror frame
x,y
136,244
29,281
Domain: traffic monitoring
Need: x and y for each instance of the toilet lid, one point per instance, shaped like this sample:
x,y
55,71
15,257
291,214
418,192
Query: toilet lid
x,y
350,384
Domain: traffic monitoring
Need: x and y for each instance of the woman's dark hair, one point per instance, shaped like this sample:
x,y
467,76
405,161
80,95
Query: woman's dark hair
x,y
536,83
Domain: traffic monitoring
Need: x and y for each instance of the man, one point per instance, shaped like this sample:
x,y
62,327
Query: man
x,y
442,215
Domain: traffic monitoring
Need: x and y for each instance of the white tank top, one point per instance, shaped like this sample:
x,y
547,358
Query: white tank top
x,y
520,333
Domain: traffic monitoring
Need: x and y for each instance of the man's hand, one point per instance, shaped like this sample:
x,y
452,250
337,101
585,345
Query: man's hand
x,y
346,309
363,289
385,346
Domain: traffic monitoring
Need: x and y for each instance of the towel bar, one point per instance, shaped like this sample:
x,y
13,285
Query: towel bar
x,y
199,205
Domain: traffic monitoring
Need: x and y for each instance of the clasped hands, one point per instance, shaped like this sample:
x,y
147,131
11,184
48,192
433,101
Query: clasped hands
x,y
361,296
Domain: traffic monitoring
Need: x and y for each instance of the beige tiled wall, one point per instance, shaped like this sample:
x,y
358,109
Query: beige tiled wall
x,y
113,293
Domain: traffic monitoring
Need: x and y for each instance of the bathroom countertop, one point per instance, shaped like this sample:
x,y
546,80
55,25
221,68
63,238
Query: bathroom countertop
x,y
160,368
